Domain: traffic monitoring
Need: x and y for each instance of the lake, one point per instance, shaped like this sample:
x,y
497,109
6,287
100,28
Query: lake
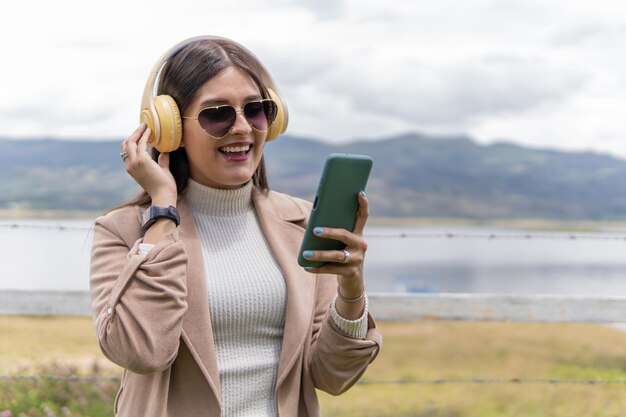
x,y
54,255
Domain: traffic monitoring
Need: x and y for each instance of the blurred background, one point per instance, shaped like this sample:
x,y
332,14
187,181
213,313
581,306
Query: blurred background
x,y
498,141
545,74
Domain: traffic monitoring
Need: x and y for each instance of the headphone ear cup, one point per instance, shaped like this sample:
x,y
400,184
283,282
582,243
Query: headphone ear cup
x,y
282,117
170,123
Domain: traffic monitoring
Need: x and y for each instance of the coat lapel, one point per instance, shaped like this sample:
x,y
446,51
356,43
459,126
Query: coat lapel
x,y
197,329
277,215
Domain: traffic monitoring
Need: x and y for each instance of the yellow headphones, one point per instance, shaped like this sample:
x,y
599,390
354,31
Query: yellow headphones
x,y
162,115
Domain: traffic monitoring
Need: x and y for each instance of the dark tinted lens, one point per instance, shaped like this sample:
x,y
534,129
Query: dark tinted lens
x,y
217,121
260,114
255,115
271,110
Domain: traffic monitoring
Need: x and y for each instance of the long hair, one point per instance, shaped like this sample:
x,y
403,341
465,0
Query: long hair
x,y
184,74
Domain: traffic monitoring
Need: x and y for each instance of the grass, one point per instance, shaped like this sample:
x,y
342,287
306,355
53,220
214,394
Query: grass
x,y
43,341
53,346
411,351
432,350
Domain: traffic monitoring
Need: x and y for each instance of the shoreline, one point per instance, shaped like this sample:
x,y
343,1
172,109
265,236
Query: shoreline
x,y
532,224
538,224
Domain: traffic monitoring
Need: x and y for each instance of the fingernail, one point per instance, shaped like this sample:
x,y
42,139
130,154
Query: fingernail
x,y
363,193
318,230
307,254
308,268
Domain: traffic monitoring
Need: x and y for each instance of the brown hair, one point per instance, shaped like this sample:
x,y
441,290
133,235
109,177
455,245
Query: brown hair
x,y
184,74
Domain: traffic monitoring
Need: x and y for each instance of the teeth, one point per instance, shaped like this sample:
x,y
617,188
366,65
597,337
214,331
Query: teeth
x,y
234,149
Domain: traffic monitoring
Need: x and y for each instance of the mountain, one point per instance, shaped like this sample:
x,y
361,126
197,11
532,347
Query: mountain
x,y
413,175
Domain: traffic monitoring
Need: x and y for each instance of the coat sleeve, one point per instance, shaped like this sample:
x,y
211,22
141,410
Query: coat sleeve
x,y
335,361
338,361
137,302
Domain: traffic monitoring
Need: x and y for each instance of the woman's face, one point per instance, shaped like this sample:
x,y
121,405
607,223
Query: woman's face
x,y
229,162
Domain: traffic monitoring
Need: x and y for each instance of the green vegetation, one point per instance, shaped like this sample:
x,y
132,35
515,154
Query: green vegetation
x,y
53,346
411,351
502,351
58,397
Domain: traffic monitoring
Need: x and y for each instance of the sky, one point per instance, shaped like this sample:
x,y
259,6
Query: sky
x,y
548,74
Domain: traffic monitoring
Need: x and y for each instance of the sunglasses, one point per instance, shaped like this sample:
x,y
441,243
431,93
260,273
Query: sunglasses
x,y
218,121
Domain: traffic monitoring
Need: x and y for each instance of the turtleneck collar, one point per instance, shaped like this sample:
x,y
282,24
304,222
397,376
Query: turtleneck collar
x,y
216,202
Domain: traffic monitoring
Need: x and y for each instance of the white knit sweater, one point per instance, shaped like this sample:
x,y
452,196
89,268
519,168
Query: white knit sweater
x,y
247,299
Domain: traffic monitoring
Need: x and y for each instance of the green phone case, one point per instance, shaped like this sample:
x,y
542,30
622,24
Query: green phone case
x,y
336,202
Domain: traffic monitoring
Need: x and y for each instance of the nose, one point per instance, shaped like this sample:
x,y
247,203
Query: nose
x,y
241,126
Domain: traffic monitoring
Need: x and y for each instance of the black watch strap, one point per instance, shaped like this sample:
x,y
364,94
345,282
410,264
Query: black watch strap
x,y
153,213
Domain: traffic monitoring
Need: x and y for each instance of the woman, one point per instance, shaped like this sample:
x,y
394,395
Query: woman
x,y
196,291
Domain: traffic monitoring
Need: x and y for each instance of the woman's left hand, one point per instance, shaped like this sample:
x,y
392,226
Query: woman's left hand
x,y
346,264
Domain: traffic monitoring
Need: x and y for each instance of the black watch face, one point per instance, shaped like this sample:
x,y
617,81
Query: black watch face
x,y
174,214
153,213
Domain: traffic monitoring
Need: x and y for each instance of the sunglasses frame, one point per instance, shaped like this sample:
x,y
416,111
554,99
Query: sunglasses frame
x,y
240,110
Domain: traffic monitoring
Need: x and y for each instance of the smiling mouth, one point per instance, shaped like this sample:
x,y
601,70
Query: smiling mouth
x,y
235,150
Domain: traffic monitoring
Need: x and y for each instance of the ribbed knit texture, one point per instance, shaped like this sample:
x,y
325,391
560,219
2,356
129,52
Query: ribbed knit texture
x,y
247,298
353,328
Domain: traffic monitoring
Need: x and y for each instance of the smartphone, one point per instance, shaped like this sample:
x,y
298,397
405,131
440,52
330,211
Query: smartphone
x,y
336,201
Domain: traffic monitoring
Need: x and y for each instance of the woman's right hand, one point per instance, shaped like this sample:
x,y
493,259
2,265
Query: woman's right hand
x,y
155,178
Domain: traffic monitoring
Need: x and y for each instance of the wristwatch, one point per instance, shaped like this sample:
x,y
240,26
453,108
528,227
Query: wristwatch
x,y
153,213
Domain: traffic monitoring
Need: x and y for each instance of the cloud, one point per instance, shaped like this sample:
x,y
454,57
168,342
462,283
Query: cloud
x,y
322,9
349,68
489,85
421,93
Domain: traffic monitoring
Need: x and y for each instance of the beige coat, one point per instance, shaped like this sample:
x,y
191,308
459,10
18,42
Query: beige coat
x,y
152,318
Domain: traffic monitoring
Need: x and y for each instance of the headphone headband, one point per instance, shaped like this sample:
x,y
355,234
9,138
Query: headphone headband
x,y
161,113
